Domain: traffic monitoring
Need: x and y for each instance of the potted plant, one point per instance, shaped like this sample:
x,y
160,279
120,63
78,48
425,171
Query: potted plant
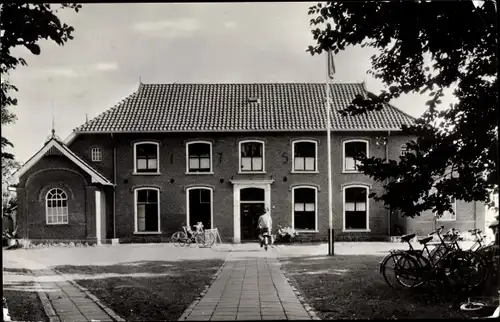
x,y
286,234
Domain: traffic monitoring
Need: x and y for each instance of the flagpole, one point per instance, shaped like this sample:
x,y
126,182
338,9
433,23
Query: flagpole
x,y
329,158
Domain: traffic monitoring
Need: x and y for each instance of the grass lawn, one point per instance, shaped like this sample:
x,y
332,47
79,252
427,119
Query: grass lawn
x,y
146,290
351,287
22,299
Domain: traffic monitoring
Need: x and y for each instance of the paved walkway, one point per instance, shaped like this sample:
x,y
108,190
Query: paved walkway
x,y
250,286
62,298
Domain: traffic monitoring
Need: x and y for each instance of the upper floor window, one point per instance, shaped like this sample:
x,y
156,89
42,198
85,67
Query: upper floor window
x,y
252,156
356,208
304,156
56,207
199,157
305,212
147,210
96,154
146,155
352,150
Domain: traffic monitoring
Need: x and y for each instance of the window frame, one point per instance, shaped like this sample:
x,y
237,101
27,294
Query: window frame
x,y
344,188
316,229
240,143
96,154
211,171
136,190
47,207
157,158
315,156
188,215
452,217
344,142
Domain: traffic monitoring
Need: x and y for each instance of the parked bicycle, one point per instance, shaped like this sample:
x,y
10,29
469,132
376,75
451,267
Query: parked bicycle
x,y
461,269
188,236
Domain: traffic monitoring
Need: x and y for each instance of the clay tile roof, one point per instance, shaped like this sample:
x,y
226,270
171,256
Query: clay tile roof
x,y
240,107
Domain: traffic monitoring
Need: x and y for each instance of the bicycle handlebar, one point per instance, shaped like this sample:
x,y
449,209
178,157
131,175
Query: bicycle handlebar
x,y
437,231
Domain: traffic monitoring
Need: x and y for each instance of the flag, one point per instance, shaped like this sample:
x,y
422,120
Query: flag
x,y
331,64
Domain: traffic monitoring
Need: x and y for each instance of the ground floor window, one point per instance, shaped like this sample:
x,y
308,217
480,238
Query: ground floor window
x,y
147,210
356,208
56,207
304,208
199,207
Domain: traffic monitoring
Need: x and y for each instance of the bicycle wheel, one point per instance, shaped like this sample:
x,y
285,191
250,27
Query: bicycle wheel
x,y
490,254
403,267
178,238
209,239
464,270
200,239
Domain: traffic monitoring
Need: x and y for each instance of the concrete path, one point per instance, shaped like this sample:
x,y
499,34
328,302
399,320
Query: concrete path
x,y
250,286
62,299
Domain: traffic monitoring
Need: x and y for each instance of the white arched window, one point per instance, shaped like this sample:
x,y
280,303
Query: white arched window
x,y
356,208
146,158
305,208
351,150
56,207
252,156
199,205
147,210
305,157
199,157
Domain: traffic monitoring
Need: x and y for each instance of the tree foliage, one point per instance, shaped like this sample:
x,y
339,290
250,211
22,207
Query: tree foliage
x,y
455,153
25,24
9,166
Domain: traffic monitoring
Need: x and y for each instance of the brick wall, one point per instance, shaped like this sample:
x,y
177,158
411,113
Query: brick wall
x,y
54,172
173,180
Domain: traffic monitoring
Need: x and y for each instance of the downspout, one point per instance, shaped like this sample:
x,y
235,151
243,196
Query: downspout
x,y
387,181
114,187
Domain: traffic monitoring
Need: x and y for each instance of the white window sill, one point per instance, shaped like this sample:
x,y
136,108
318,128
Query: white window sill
x,y
304,172
351,172
146,173
57,224
198,173
445,220
356,230
147,232
307,231
251,172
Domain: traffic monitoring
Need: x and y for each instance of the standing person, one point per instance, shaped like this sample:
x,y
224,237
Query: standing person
x,y
265,224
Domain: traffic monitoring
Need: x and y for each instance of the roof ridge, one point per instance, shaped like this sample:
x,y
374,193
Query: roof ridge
x,y
255,83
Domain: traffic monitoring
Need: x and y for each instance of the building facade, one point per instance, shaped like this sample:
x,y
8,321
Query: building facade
x,y
175,154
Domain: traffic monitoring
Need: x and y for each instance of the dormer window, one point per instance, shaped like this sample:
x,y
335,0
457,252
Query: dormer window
x,y
253,99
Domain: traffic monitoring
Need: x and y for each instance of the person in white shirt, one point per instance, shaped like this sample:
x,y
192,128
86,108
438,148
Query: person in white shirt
x,y
265,224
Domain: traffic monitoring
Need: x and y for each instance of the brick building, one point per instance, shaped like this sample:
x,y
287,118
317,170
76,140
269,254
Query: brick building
x,y
173,154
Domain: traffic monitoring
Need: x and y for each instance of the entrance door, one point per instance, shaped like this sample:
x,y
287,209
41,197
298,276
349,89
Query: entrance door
x,y
251,207
250,213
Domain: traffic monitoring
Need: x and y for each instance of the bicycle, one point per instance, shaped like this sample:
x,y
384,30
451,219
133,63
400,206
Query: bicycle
x,y
447,269
489,253
198,236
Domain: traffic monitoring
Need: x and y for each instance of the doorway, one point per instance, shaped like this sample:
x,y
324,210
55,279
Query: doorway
x,y
251,207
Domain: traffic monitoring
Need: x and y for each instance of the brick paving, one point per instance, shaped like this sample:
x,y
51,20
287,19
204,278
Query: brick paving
x,y
249,287
63,299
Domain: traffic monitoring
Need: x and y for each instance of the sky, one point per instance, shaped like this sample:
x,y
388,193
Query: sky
x,y
117,45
